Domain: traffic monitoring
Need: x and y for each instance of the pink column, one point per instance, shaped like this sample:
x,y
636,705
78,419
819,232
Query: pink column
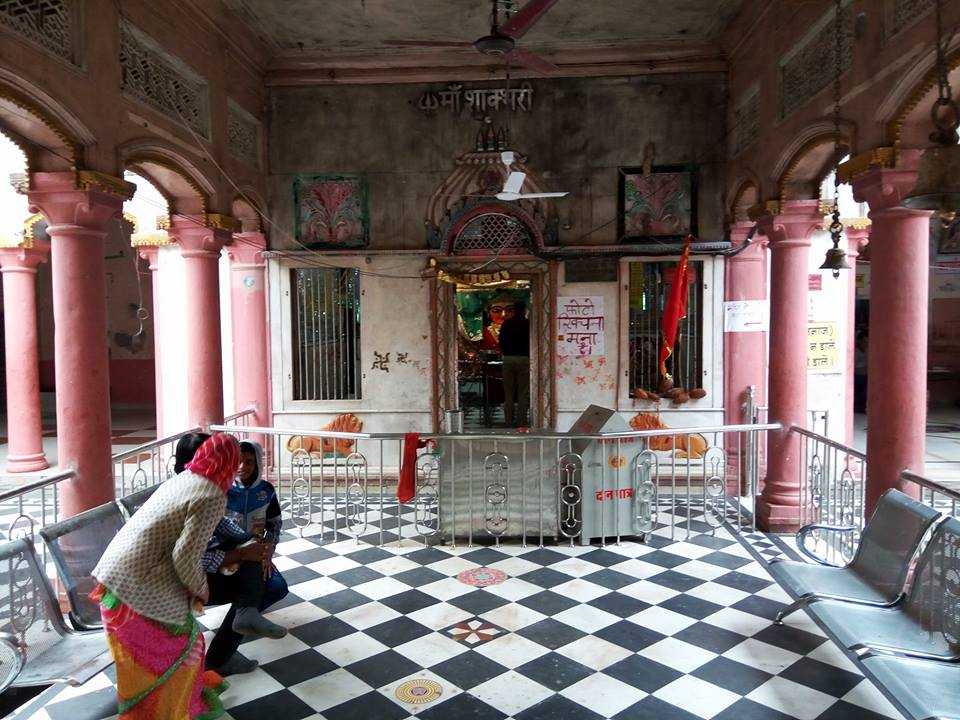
x,y
201,247
251,338
77,222
150,253
24,425
778,507
857,233
744,352
897,365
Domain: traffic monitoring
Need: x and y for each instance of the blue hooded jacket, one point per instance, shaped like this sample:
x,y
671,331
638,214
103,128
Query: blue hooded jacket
x,y
255,507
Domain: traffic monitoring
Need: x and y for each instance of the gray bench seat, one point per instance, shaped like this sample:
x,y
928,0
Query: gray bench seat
x,y
31,615
924,623
923,690
878,570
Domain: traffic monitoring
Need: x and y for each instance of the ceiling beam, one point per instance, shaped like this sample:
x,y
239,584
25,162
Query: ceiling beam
x,y
389,66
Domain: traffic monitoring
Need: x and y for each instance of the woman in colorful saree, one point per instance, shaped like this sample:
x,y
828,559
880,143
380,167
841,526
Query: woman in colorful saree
x,y
150,581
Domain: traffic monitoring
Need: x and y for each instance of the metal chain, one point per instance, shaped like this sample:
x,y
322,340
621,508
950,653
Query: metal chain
x,y
945,113
836,227
943,78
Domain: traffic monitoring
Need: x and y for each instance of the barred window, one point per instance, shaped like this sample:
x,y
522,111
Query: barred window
x,y
326,333
649,288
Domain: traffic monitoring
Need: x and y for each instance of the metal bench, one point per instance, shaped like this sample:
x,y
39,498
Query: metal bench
x,y
29,612
921,689
877,572
134,501
924,624
76,545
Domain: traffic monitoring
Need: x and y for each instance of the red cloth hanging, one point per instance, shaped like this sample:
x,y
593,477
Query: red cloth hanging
x,y
675,308
407,487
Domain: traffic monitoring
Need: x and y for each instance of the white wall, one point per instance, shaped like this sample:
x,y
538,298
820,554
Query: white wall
x,y
394,319
599,385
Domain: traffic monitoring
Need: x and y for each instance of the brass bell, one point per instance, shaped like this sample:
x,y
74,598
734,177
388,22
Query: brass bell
x,y
938,183
836,261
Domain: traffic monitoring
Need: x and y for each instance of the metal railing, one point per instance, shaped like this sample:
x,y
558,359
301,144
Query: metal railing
x,y
146,465
833,480
833,483
484,488
241,418
30,507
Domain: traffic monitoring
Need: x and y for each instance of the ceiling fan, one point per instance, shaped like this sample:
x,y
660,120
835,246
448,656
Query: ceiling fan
x,y
502,40
511,188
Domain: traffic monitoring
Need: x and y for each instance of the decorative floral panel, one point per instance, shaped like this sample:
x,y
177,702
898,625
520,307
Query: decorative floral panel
x,y
809,67
243,135
163,81
51,24
746,122
905,12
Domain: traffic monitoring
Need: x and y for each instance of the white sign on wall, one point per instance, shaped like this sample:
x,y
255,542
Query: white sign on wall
x,y
580,326
745,316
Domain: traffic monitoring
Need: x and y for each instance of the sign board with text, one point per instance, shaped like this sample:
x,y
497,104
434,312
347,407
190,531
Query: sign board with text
x,y
580,326
745,316
823,347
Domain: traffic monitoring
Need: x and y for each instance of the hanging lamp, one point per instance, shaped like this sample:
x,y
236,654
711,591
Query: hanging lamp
x,y
938,174
836,259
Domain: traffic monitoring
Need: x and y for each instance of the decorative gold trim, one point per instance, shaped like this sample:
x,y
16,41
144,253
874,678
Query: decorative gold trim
x,y
132,220
150,239
163,222
881,157
859,223
825,207
25,103
770,207
894,129
223,222
101,182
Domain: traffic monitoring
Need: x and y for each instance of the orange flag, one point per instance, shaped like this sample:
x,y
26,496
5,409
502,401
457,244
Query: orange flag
x,y
676,307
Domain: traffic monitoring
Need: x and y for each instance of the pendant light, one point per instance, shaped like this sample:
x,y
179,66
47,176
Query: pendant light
x,y
938,174
836,259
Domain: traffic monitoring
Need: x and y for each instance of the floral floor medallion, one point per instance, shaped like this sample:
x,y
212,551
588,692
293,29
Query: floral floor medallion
x,y
418,691
474,632
482,577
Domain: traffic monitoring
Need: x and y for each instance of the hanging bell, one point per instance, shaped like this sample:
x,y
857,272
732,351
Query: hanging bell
x,y
836,261
938,183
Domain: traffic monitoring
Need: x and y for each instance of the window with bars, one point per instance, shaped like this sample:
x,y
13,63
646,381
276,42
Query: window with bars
x,y
649,288
326,333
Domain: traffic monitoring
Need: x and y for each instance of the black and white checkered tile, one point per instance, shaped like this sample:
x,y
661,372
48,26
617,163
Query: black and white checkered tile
x,y
667,629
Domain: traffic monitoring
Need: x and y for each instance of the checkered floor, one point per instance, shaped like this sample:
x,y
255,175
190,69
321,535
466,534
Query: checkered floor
x,y
666,629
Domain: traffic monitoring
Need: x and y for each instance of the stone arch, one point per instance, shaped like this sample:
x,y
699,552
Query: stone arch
x,y
51,137
248,207
905,112
809,158
745,194
187,190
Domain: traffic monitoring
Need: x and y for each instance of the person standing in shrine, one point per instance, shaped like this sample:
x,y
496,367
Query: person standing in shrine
x,y
515,346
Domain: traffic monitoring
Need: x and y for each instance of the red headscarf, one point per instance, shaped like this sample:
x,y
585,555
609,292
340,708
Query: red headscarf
x,y
217,460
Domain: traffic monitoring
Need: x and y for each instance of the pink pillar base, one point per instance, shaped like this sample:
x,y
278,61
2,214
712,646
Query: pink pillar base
x,y
27,463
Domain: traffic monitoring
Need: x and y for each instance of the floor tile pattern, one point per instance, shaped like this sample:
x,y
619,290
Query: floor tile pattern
x,y
668,629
